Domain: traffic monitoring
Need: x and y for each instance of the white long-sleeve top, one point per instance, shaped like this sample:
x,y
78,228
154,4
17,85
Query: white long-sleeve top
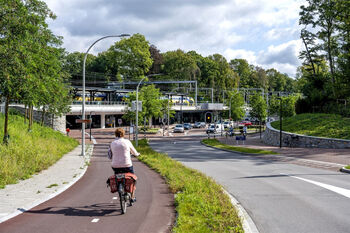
x,y
119,152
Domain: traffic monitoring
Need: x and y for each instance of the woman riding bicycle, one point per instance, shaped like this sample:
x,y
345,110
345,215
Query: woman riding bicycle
x,y
119,152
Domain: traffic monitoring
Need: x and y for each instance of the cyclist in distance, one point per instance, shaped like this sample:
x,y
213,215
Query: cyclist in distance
x,y
119,152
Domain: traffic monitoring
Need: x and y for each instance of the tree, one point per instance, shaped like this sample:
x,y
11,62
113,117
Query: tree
x,y
243,69
237,106
151,105
179,65
24,39
130,57
258,106
226,78
321,14
343,26
288,105
158,60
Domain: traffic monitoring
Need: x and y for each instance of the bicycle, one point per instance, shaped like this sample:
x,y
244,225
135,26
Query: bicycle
x,y
124,184
124,196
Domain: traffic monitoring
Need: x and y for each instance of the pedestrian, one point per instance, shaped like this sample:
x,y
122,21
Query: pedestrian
x,y
119,152
245,130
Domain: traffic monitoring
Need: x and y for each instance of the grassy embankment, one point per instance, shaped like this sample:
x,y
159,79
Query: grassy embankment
x,y
217,144
29,152
319,125
200,203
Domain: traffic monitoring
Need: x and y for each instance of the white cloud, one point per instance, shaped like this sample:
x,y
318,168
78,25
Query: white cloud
x,y
281,33
250,56
234,28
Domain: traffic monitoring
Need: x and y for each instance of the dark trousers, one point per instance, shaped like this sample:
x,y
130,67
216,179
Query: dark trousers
x,y
123,170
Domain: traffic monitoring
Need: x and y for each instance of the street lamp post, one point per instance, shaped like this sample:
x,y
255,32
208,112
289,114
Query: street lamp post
x,y
83,106
280,121
169,96
91,123
137,112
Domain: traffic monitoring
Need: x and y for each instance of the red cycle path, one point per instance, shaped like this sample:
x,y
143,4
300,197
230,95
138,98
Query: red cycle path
x,y
88,206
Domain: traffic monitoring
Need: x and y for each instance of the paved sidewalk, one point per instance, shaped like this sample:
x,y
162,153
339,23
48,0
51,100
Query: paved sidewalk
x,y
332,159
18,198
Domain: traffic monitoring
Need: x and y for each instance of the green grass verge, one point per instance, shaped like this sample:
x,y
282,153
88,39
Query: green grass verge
x,y
217,144
149,130
29,152
317,124
347,167
200,203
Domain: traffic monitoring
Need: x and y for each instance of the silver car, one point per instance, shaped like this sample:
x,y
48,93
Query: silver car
x,y
179,128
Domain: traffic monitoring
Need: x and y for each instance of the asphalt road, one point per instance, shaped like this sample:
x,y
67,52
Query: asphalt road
x,y
279,197
88,206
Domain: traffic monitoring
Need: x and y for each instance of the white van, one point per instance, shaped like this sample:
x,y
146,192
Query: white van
x,y
215,128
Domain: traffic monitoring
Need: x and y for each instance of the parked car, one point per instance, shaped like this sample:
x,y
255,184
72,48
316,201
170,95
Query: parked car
x,y
199,125
215,128
179,128
187,126
227,124
245,123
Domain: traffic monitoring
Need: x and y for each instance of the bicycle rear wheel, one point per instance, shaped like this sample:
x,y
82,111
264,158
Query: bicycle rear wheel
x,y
122,200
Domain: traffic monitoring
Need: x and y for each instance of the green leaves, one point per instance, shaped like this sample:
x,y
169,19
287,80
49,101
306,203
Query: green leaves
x,y
131,57
30,65
259,107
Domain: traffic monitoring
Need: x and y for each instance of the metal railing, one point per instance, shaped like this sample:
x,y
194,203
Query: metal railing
x,y
100,103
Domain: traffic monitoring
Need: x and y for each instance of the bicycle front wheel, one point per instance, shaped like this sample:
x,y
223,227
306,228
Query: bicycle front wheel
x,y
122,202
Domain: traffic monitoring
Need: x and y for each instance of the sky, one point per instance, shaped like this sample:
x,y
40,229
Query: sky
x,y
264,32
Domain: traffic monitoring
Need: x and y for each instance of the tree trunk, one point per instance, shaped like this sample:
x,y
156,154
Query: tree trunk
x,y
25,114
150,122
43,116
6,134
309,56
330,60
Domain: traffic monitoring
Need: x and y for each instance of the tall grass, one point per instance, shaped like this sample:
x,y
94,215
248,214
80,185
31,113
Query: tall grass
x,y
317,124
29,152
200,202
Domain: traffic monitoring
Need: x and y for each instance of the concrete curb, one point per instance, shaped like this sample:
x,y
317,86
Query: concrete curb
x,y
247,222
238,152
306,161
52,195
345,170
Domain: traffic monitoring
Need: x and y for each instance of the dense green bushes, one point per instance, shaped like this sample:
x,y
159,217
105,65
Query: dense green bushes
x,y
29,152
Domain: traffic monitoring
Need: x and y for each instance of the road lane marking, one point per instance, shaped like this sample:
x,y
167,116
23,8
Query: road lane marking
x,y
115,198
341,191
95,220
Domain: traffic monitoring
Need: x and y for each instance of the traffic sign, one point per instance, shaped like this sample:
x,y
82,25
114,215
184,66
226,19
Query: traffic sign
x,y
120,121
80,121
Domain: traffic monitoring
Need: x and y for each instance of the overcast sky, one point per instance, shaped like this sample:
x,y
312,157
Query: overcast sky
x,y
264,32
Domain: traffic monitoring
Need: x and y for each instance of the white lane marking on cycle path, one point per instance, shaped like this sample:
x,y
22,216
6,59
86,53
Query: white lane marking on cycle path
x,y
341,191
95,220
